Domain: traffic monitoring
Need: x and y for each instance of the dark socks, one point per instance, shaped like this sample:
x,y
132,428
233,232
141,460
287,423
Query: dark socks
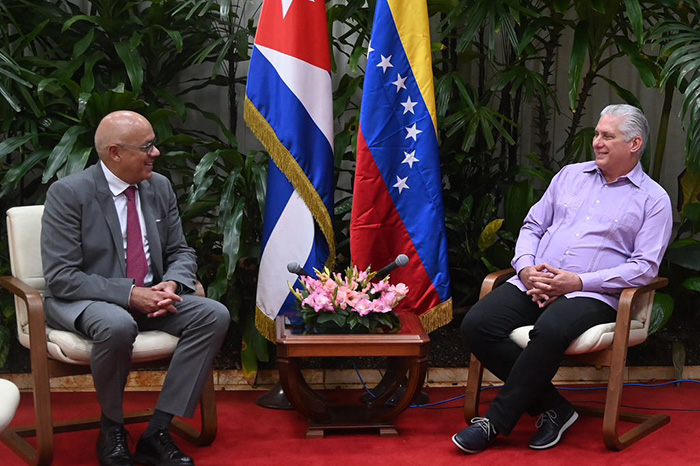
x,y
106,423
159,420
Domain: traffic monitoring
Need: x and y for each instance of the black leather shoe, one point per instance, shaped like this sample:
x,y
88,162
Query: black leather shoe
x,y
113,447
551,425
476,437
159,449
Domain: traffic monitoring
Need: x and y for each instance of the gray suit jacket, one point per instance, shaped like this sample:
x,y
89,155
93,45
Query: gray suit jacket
x,y
82,246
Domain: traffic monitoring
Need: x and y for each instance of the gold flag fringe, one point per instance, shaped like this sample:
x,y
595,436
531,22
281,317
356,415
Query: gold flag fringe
x,y
437,317
289,166
265,325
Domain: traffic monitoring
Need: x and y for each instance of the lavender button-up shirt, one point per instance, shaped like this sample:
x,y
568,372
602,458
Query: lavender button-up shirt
x,y
613,235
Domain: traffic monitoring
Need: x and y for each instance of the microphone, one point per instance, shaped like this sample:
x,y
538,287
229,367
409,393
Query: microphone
x,y
295,268
400,261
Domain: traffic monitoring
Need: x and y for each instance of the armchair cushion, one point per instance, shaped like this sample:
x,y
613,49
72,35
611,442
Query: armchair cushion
x,y
594,339
75,349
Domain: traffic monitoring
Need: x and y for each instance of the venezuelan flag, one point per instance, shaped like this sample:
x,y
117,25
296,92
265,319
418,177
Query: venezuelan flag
x,y
397,203
289,108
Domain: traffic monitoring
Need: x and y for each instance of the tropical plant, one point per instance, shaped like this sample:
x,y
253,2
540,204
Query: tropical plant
x,y
64,66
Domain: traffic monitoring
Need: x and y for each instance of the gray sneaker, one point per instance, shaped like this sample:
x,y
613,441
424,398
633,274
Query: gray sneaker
x,y
476,437
551,425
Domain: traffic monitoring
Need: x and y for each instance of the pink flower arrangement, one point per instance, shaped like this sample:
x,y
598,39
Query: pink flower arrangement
x,y
352,302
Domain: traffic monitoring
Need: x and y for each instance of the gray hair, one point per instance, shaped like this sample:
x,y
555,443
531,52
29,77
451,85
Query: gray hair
x,y
634,122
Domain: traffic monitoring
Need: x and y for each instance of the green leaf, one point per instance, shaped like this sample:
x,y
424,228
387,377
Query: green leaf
x,y
82,45
685,253
519,199
232,237
561,6
490,234
660,312
60,153
74,19
10,99
579,51
76,161
634,12
692,284
17,171
218,287
647,68
132,61
626,95
9,145
176,103
249,359
175,36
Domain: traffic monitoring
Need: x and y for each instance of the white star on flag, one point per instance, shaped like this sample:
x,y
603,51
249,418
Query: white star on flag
x,y
386,63
400,83
410,157
288,3
408,106
412,132
369,50
401,184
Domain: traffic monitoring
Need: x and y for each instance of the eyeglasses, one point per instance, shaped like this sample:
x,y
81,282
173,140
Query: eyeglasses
x,y
146,148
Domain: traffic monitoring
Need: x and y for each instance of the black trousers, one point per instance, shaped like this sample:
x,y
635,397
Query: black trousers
x,y
528,372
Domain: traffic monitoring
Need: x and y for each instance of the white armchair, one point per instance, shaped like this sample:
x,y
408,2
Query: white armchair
x,y
9,401
57,353
604,345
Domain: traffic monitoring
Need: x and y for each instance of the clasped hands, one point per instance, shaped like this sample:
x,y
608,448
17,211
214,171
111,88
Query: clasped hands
x,y
156,301
545,283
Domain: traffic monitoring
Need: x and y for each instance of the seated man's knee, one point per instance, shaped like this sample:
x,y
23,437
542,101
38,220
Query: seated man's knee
x,y
472,324
549,333
221,316
118,330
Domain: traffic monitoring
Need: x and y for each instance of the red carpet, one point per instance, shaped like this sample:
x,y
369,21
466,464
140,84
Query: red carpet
x,y
251,436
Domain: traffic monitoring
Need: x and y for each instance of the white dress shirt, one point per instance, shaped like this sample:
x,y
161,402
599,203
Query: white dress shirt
x,y
117,187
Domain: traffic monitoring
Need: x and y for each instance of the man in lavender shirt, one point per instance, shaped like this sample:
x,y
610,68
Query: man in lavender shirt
x,y
600,227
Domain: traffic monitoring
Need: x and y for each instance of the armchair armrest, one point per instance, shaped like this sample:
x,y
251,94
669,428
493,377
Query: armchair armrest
x,y
494,279
36,318
632,296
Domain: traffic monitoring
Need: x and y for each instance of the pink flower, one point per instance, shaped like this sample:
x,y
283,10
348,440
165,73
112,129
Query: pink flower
x,y
319,301
363,306
310,283
400,289
382,306
341,296
380,287
389,298
353,297
330,285
361,276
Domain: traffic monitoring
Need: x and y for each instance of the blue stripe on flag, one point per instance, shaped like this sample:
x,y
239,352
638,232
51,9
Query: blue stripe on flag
x,y
292,124
384,128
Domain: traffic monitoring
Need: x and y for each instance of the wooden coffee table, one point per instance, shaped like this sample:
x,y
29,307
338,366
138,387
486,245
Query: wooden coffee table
x,y
407,362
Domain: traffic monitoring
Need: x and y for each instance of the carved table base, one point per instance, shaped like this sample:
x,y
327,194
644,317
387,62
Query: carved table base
x,y
407,359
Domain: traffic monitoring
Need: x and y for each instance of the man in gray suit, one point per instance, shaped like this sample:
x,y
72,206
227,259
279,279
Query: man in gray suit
x,y
97,285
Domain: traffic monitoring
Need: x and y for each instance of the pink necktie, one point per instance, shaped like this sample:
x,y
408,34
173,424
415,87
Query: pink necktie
x,y
136,263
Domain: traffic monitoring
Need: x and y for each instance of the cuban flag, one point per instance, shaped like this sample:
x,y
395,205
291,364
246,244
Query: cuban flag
x,y
397,203
289,108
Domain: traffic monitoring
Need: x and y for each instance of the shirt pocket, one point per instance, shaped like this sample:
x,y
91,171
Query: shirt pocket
x,y
567,209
